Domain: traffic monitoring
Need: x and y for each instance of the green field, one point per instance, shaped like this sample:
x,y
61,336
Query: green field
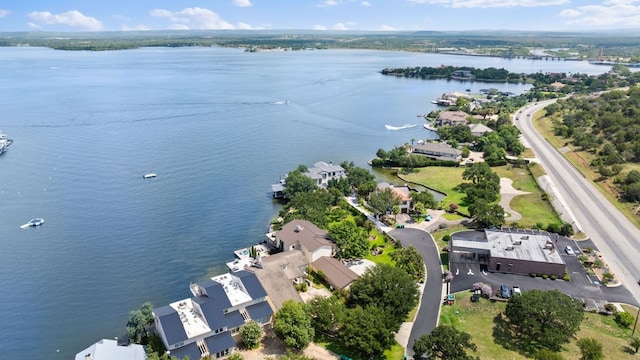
x,y
478,320
533,207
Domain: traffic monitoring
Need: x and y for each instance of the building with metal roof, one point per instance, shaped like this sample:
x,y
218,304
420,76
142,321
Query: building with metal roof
x,y
203,325
107,349
510,251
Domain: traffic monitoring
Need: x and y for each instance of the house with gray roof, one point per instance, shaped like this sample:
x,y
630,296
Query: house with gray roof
x,y
204,324
509,251
437,151
107,349
279,273
322,172
401,193
478,130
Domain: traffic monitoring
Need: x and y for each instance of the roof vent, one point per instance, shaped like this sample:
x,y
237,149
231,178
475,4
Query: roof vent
x,y
298,228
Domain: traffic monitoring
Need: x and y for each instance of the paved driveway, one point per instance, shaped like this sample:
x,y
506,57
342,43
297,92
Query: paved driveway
x,y
429,309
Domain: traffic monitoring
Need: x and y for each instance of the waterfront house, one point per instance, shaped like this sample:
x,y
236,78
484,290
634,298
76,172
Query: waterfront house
x,y
279,273
401,193
322,172
305,236
452,118
437,151
107,349
207,323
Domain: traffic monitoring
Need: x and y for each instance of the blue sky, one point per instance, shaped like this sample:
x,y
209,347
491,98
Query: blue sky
x,y
371,15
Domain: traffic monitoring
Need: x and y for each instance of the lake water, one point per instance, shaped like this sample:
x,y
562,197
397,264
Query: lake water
x,y
217,125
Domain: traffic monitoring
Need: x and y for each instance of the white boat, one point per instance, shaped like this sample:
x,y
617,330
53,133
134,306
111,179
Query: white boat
x,y
33,223
149,175
4,142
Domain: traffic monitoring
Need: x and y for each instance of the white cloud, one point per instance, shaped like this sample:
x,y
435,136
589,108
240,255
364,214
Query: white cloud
x,y
387,28
340,26
244,26
492,3
72,18
242,3
135,28
618,13
327,3
34,25
4,12
365,3
319,27
194,18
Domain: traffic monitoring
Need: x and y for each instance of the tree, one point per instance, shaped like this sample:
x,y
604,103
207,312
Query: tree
x,y
365,331
138,321
591,349
389,288
326,313
410,260
543,319
297,182
444,342
383,201
487,215
292,324
424,197
635,343
251,333
350,238
477,172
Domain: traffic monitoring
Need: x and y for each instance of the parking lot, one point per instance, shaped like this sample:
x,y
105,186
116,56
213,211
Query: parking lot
x,y
581,286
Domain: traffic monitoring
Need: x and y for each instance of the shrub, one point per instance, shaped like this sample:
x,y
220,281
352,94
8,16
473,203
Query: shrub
x,y
553,277
566,276
545,276
533,274
624,319
447,237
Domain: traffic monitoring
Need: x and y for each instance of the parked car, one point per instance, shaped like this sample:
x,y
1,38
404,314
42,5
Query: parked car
x,y
569,250
505,292
428,218
516,290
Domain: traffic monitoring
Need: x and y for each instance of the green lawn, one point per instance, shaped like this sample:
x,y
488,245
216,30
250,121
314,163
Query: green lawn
x,y
443,179
478,320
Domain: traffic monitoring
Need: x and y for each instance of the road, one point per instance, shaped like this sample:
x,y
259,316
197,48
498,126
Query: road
x,y
615,236
429,310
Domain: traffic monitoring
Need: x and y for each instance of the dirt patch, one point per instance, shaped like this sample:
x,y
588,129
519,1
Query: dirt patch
x,y
270,347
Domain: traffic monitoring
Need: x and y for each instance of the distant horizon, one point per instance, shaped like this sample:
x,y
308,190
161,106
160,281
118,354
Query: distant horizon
x,y
323,15
604,33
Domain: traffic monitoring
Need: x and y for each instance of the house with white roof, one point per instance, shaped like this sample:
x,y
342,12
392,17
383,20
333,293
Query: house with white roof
x,y
204,324
107,349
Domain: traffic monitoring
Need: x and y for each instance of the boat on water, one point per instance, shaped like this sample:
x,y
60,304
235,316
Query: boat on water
x,y
33,223
149,175
4,142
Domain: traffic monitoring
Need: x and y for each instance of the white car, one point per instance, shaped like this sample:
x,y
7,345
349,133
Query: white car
x,y
569,250
516,291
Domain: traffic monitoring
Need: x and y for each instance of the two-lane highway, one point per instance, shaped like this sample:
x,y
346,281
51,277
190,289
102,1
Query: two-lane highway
x,y
617,238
